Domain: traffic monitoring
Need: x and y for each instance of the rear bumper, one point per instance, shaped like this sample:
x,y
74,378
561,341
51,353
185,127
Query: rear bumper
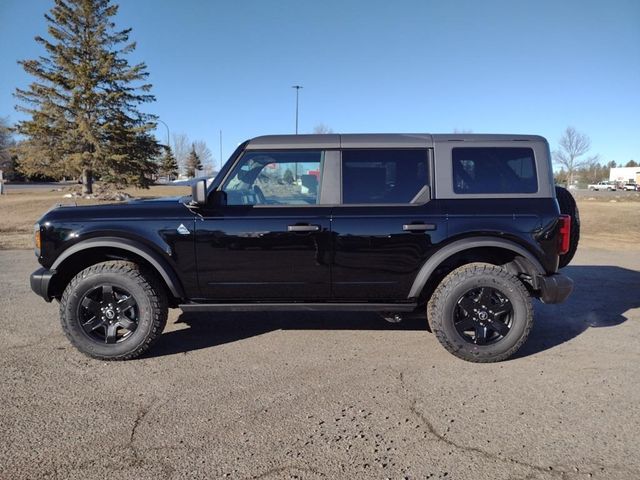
x,y
555,288
40,282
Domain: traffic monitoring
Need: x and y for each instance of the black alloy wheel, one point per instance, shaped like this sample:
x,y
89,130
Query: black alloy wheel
x,y
481,312
483,316
108,314
113,310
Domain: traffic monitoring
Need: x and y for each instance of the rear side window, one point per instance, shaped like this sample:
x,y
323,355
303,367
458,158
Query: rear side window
x,y
383,176
494,170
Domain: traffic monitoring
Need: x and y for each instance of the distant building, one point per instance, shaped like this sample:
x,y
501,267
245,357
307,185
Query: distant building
x,y
625,174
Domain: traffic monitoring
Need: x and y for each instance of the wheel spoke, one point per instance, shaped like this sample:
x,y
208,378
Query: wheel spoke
x,y
481,335
467,304
465,324
126,303
499,327
93,323
485,296
107,294
111,333
92,306
501,310
127,323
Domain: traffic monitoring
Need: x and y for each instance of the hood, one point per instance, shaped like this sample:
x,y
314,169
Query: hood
x,y
135,209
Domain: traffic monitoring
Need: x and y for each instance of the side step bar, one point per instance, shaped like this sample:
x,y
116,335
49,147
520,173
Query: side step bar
x,y
289,307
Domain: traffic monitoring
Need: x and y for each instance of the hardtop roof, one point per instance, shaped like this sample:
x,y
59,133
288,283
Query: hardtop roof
x,y
380,140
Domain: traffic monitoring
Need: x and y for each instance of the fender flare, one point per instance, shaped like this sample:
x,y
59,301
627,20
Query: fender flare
x,y
160,265
467,244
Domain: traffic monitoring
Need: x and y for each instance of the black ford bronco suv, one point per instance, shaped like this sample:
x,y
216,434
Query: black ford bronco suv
x,y
463,228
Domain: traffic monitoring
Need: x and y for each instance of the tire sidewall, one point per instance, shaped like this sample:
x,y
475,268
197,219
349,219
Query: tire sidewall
x,y
519,324
70,316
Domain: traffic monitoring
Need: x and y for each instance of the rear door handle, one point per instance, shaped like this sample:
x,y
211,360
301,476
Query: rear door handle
x,y
303,228
418,227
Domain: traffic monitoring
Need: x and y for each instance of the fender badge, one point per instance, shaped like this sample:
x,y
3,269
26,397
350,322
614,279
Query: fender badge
x,y
182,230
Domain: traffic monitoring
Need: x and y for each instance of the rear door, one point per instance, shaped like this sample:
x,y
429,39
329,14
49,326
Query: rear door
x,y
386,225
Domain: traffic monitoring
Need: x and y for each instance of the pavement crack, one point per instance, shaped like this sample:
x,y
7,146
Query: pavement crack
x,y
143,411
413,408
287,468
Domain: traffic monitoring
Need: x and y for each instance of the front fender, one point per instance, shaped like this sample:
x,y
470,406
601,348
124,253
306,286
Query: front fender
x,y
161,265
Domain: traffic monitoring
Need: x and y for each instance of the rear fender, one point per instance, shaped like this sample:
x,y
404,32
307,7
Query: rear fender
x,y
532,267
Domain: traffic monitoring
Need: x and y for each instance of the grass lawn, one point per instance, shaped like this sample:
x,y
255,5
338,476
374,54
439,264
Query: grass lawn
x,y
20,209
609,221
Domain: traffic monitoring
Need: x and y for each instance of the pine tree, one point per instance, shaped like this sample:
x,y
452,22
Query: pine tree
x,y
168,165
193,163
83,104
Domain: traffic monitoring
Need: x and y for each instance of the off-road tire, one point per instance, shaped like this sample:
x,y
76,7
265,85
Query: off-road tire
x,y
568,207
151,304
441,311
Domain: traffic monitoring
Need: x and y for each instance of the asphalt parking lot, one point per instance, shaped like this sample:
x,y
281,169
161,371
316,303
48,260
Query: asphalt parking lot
x,y
325,396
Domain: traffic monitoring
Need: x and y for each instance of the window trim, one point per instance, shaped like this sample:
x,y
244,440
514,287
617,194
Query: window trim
x,y
443,171
323,168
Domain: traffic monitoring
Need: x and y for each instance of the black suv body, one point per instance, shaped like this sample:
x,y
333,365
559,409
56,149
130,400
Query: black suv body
x,y
392,223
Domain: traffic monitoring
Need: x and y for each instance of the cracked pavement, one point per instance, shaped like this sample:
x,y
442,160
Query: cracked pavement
x,y
326,396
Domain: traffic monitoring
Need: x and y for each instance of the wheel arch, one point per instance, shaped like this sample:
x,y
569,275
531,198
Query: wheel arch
x,y
467,250
91,251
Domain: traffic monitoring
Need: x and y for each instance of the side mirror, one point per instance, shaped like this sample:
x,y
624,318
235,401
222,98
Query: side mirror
x,y
199,192
219,198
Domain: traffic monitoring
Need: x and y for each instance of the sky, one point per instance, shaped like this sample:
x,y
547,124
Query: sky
x,y
434,66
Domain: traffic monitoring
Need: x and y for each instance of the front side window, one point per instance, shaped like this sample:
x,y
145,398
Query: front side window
x,y
383,176
275,178
494,170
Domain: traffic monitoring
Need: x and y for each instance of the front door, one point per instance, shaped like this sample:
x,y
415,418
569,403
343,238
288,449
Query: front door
x,y
271,241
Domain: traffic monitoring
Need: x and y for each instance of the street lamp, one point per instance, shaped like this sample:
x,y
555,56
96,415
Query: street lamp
x,y
167,130
297,87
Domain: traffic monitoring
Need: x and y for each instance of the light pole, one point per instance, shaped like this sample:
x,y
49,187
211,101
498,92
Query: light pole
x,y
167,130
297,87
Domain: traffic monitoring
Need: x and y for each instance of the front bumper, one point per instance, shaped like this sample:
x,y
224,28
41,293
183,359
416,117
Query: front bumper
x,y
40,282
555,288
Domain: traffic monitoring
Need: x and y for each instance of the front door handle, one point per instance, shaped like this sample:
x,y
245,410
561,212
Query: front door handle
x,y
303,228
418,227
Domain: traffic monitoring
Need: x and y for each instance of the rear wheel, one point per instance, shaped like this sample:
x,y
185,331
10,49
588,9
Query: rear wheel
x,y
569,207
481,313
113,310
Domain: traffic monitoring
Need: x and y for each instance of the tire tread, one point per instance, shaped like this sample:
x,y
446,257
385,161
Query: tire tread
x,y
152,288
437,300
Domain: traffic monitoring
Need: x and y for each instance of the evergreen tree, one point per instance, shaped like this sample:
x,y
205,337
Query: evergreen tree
x,y
83,104
193,163
168,165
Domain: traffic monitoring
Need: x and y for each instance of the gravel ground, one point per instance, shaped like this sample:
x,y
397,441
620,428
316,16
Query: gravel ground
x,y
327,395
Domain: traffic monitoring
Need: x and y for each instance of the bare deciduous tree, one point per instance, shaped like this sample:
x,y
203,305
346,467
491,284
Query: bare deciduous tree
x,y
181,149
7,158
322,128
573,145
205,155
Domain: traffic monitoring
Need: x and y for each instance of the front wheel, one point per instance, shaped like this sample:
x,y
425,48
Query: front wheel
x,y
481,313
113,310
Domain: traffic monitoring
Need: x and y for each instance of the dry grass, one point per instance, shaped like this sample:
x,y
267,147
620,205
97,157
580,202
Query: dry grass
x,y
608,221
20,209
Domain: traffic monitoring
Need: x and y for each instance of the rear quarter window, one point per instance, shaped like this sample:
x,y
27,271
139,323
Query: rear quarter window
x,y
494,170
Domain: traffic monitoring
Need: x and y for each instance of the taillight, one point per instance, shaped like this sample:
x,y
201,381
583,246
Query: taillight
x,y
37,241
564,237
